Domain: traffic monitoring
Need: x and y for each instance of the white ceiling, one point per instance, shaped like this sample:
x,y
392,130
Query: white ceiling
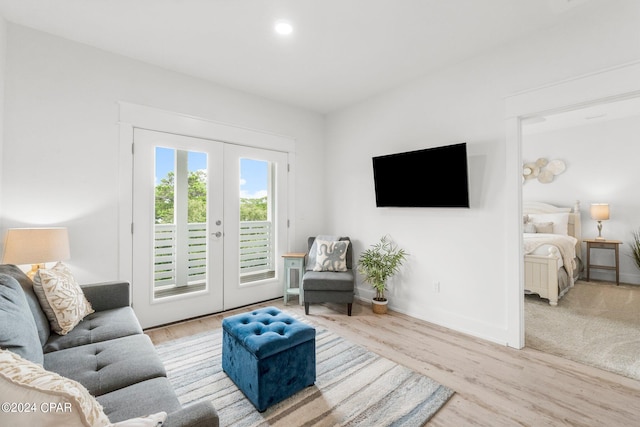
x,y
341,51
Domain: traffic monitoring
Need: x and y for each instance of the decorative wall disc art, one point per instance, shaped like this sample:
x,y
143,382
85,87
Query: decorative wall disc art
x,y
530,171
545,176
542,170
556,167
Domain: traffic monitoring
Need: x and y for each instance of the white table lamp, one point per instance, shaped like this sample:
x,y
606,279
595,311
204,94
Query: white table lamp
x,y
36,246
600,212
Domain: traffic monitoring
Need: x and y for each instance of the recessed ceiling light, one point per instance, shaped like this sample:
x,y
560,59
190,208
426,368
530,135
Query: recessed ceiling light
x,y
283,27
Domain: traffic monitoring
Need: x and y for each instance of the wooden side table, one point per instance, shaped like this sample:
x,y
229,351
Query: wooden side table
x,y
293,261
604,244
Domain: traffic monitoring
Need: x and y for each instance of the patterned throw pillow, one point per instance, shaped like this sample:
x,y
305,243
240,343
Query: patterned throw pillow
x,y
61,298
331,256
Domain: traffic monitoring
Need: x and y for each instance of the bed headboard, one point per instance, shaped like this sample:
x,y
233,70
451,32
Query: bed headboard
x,y
574,228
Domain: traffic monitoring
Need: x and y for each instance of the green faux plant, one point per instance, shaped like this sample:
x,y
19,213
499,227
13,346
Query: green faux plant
x,y
380,262
635,247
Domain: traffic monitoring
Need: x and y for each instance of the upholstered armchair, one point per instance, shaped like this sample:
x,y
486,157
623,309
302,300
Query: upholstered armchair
x,y
329,275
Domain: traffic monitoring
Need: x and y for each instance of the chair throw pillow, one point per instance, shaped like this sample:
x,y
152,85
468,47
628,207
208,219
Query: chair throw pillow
x,y
61,298
331,256
45,398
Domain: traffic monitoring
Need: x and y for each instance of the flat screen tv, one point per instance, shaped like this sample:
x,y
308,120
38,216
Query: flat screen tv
x,y
430,178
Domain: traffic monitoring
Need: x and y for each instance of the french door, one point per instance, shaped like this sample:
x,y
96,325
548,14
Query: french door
x,y
209,225
255,224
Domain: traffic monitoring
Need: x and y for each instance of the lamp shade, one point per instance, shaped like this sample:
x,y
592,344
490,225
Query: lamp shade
x,y
600,211
36,245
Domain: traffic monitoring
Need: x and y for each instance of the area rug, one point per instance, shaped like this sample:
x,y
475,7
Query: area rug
x,y
353,386
595,323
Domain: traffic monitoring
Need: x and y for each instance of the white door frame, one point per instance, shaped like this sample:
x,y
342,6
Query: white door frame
x,y
594,88
138,116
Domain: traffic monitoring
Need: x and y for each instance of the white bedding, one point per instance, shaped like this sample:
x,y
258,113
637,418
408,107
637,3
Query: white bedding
x,y
547,275
544,251
539,244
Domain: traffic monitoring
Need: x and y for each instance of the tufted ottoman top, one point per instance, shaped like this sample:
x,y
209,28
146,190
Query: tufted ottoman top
x,y
267,331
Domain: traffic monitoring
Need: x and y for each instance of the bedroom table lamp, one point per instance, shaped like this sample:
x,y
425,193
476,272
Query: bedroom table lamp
x,y
600,212
36,246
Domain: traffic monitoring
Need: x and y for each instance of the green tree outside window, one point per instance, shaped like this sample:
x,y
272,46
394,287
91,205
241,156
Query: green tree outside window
x,y
250,209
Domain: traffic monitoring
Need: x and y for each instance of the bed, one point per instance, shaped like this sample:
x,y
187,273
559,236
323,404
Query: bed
x,y
552,249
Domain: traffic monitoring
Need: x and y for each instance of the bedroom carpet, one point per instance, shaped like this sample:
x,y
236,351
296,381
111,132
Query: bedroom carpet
x,y
595,323
353,386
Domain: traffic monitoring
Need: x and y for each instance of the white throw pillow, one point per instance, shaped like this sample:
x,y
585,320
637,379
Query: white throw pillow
x,y
560,221
61,298
33,396
154,420
331,256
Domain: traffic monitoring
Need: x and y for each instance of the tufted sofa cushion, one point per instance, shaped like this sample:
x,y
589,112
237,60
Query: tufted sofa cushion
x,y
140,398
97,327
267,331
108,366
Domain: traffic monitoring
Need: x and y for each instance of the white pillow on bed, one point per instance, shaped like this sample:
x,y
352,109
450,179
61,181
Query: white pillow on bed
x,y
560,221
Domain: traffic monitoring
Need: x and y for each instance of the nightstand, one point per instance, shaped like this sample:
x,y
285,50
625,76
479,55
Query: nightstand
x,y
293,261
604,244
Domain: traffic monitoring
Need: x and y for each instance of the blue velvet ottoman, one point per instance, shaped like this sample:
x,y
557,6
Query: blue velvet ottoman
x,y
268,354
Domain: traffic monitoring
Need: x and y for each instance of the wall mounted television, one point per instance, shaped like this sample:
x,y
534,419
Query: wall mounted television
x,y
431,178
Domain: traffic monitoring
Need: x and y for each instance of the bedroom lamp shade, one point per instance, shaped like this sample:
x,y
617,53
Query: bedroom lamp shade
x,y
600,212
36,246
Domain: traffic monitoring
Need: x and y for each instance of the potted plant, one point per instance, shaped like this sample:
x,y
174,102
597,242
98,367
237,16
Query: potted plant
x,y
377,264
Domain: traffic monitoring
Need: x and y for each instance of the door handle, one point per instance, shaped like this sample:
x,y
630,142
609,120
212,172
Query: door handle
x,y
217,234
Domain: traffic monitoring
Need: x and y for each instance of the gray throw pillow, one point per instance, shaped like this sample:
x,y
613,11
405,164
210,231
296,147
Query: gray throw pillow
x,y
18,331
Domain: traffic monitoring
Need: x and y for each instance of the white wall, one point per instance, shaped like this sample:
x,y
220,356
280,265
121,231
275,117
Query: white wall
x,y
61,139
464,250
3,51
601,163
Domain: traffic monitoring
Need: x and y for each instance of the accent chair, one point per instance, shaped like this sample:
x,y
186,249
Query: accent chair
x,y
329,275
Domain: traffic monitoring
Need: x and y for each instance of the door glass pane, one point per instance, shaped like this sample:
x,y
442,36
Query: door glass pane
x,y
180,245
256,221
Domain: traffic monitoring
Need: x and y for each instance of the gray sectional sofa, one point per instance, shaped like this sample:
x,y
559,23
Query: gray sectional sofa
x,y
107,352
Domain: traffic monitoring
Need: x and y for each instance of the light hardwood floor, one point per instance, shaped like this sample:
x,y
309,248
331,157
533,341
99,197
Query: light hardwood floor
x,y
495,385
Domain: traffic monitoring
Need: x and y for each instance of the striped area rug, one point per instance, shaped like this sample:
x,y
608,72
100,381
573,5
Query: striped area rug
x,y
354,387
